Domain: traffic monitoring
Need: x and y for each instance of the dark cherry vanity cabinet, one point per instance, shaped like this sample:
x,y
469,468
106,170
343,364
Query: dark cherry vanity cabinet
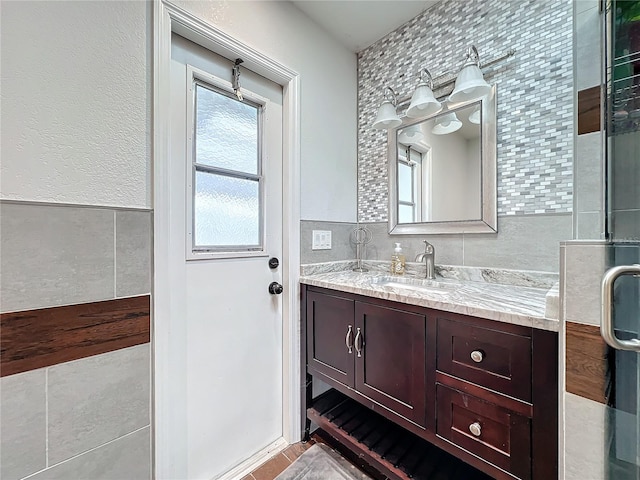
x,y
389,367
483,391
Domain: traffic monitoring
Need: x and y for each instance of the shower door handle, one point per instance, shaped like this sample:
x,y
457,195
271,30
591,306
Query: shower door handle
x,y
606,322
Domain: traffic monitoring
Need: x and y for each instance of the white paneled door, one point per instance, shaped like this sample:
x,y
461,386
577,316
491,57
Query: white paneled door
x,y
226,224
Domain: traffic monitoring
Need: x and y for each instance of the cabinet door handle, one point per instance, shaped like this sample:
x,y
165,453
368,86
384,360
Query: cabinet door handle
x,y
477,356
476,429
358,342
348,340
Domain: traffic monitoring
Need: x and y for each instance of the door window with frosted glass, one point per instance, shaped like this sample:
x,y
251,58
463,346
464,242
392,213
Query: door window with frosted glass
x,y
226,172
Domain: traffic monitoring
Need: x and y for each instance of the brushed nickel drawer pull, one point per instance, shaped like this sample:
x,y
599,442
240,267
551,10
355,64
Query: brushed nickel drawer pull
x,y
475,429
358,342
477,356
348,340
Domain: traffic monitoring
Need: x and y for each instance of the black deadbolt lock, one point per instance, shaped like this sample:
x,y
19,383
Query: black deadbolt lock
x,y
273,263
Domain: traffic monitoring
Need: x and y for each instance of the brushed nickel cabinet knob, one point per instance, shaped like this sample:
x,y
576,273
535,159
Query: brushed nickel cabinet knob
x,y
475,429
477,356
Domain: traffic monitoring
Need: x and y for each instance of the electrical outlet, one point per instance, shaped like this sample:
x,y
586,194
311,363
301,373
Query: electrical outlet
x,y
321,240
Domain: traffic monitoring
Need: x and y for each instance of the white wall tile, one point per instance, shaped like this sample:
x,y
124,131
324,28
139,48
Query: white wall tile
x,y
23,424
97,399
588,63
449,248
584,438
341,246
55,255
589,181
527,242
585,265
589,225
127,458
133,253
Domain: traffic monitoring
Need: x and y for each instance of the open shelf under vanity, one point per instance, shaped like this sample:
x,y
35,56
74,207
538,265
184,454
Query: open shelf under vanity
x,y
391,449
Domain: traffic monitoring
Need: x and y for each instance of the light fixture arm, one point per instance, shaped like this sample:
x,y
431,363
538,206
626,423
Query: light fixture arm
x,y
391,96
473,57
426,78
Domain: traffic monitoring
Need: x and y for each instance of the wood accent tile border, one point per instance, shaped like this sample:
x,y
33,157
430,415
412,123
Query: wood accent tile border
x,y
589,110
586,356
40,338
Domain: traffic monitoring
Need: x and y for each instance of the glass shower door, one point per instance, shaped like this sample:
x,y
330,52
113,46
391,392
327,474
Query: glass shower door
x,y
621,283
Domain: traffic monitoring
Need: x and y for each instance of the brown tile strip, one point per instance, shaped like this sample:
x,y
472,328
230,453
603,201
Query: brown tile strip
x,y
40,338
586,355
589,110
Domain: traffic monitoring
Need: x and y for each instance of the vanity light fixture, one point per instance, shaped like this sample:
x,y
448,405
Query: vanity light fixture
x,y
470,83
387,115
447,123
423,103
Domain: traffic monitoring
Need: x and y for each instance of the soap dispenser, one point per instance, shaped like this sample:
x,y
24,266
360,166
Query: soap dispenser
x,y
397,261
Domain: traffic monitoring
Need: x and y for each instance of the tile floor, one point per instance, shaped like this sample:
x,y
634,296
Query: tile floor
x,y
276,465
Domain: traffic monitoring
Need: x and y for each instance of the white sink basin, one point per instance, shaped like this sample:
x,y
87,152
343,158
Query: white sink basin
x,y
416,284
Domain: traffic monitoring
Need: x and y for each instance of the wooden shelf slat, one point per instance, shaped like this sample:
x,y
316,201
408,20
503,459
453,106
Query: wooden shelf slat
x,y
392,450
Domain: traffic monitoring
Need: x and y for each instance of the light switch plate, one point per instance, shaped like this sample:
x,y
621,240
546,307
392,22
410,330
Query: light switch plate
x,y
321,240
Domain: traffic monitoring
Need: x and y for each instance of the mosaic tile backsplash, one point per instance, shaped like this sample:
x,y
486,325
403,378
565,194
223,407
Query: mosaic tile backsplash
x,y
535,95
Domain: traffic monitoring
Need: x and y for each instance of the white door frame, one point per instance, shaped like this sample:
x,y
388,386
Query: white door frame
x,y
169,19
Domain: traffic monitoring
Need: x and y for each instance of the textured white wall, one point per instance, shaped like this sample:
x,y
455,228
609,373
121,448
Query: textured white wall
x,y
76,92
328,73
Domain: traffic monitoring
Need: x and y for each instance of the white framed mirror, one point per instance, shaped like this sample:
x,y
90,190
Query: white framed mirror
x,y
442,171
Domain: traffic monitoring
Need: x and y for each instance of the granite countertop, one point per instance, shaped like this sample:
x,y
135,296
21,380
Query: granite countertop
x,y
518,297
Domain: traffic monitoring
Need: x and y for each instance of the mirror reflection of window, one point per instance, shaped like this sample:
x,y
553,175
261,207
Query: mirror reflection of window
x,y
448,149
409,185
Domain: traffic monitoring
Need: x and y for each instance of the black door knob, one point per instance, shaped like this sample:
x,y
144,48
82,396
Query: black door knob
x,y
275,288
273,263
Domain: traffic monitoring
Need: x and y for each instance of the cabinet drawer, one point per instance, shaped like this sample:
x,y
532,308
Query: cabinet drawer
x,y
497,360
499,436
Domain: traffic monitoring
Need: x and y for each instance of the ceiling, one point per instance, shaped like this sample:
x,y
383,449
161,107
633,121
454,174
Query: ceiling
x,y
359,23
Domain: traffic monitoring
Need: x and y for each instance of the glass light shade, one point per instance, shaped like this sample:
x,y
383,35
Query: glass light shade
x,y
475,116
411,135
447,123
470,85
423,103
387,117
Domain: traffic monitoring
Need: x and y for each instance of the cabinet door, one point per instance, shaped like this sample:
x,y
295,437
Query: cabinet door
x,y
390,368
329,319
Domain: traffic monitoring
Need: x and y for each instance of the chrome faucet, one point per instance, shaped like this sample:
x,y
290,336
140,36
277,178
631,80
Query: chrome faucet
x,y
429,257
